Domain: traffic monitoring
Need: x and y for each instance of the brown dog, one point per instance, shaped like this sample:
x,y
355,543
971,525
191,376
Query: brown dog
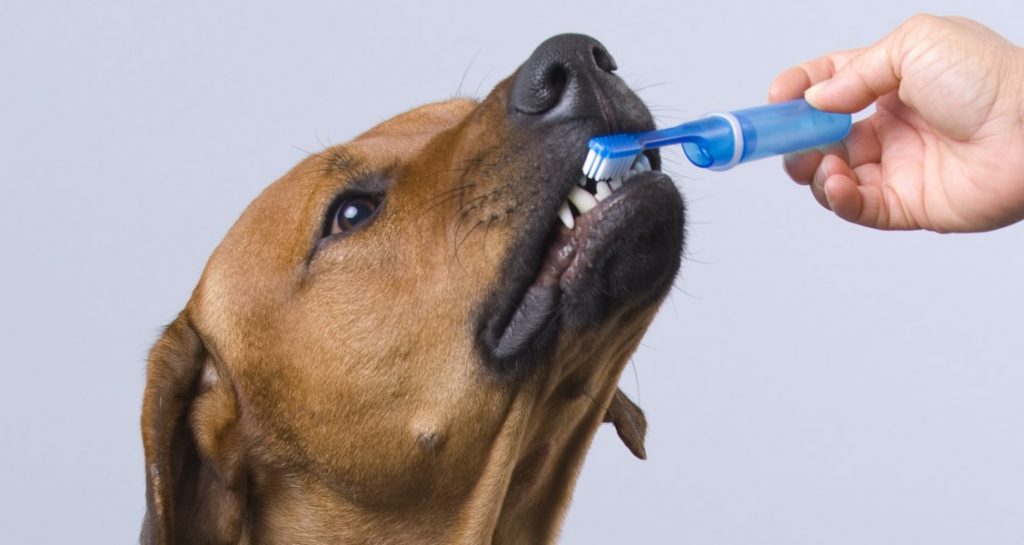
x,y
399,341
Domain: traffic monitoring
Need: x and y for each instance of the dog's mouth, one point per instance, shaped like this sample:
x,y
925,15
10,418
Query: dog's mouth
x,y
611,247
590,256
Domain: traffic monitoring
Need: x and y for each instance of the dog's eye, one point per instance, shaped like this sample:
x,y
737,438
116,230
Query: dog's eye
x,y
351,212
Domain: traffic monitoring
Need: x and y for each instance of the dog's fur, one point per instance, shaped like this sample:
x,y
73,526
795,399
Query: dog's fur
x,y
334,388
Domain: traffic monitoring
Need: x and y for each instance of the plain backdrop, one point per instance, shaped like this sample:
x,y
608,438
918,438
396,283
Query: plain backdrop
x,y
808,382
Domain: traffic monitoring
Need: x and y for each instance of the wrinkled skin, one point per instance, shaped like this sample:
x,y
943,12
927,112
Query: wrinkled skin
x,y
323,388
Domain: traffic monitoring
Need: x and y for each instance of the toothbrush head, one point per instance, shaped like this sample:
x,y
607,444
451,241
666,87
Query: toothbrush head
x,y
610,157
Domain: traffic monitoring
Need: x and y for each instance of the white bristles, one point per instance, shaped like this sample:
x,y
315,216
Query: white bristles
x,y
591,157
603,168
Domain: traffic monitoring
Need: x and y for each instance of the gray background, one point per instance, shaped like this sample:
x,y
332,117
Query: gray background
x,y
809,382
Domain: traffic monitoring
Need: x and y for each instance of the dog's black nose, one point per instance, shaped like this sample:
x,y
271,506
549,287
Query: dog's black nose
x,y
560,78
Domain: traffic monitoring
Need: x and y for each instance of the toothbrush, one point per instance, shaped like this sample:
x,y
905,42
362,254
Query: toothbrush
x,y
720,141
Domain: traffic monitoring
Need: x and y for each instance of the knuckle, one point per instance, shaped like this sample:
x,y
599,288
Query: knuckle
x,y
924,21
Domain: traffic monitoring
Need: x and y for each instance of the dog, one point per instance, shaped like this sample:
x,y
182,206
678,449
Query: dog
x,y
400,342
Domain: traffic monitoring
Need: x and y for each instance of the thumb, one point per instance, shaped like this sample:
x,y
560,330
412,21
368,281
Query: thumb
x,y
869,74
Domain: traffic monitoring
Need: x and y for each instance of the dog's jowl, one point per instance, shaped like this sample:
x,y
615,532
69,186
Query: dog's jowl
x,y
403,341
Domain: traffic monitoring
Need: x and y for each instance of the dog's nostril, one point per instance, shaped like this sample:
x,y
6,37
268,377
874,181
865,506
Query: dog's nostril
x,y
603,59
555,79
565,69
544,92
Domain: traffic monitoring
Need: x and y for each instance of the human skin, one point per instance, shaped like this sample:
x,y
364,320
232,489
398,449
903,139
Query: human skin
x,y
944,149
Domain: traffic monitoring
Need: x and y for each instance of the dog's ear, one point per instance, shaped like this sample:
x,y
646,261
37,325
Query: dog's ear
x,y
195,476
630,423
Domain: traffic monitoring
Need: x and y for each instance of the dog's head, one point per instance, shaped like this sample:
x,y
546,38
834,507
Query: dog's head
x,y
400,340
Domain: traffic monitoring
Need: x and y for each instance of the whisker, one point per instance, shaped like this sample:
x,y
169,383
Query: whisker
x,y
462,80
680,289
641,88
636,379
459,244
447,196
592,400
476,93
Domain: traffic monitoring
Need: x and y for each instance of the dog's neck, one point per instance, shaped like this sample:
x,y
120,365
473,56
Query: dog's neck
x,y
519,498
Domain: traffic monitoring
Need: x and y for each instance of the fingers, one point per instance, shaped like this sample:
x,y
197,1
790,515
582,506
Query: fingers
x,y
830,166
862,144
868,75
859,195
789,85
845,81
876,206
859,147
845,200
850,180
792,82
802,166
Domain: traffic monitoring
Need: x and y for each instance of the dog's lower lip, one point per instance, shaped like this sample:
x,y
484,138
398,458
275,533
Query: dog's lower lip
x,y
537,308
565,247
521,325
538,303
562,252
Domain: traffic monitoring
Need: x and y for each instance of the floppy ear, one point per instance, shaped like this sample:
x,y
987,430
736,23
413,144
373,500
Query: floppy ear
x,y
630,423
195,480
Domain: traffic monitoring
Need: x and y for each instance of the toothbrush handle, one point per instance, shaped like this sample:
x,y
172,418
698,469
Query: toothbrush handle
x,y
720,141
787,127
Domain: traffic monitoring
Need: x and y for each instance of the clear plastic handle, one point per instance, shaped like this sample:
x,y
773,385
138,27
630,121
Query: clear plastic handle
x,y
787,127
721,141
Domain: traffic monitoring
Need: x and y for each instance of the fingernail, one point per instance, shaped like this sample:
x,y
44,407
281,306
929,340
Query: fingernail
x,y
828,197
811,95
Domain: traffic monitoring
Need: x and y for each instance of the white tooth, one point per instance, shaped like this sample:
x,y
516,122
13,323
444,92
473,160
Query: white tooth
x,y
632,172
582,181
603,191
643,164
582,200
616,184
565,215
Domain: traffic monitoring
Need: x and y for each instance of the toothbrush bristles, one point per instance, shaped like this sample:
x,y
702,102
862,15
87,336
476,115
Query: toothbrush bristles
x,y
606,168
591,157
611,157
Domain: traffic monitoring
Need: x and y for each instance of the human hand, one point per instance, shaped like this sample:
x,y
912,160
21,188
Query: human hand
x,y
943,151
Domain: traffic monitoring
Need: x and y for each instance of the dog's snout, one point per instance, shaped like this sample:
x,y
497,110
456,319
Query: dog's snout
x,y
558,78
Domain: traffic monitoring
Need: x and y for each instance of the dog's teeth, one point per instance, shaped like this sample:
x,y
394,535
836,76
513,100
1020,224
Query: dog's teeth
x,y
582,200
565,215
642,164
614,174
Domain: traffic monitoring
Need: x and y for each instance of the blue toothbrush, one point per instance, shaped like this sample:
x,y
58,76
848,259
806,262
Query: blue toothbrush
x,y
720,141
